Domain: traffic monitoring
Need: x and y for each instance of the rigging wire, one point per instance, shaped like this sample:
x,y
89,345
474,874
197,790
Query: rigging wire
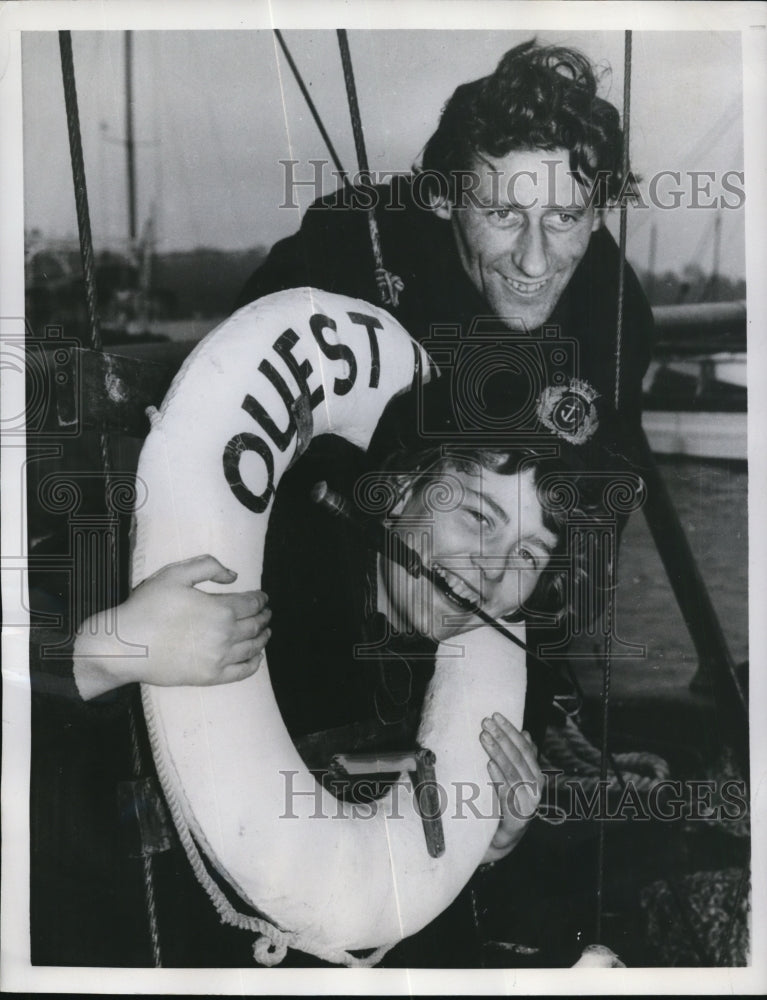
x,y
312,108
89,274
605,755
732,113
612,554
389,285
81,191
612,560
623,217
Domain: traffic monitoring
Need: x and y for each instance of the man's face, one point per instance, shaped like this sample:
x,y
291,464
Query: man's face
x,y
522,232
489,542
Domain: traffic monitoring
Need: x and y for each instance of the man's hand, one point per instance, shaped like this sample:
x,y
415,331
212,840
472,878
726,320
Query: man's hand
x,y
518,781
191,637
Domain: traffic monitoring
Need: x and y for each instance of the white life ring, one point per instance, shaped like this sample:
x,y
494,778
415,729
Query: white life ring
x,y
327,877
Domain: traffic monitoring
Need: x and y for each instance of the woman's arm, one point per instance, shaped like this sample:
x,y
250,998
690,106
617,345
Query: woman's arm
x,y
170,633
518,781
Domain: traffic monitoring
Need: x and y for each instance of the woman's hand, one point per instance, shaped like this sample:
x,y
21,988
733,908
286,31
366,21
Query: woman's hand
x,y
518,781
170,633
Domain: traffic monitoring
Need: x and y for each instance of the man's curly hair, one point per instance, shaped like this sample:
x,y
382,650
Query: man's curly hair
x,y
539,97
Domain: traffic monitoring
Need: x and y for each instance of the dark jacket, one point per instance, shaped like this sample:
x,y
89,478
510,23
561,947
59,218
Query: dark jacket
x,y
332,251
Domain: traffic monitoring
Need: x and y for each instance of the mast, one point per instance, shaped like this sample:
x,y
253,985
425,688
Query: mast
x,y
716,264
711,286
130,145
140,250
652,262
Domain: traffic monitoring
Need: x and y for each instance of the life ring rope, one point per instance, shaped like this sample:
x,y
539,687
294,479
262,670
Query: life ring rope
x,y
272,942
228,429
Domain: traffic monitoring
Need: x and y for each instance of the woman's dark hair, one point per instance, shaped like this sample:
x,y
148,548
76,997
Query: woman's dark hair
x,y
539,97
566,492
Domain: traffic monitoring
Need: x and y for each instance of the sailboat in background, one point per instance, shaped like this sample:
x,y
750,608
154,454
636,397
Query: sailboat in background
x,y
694,392
695,389
129,305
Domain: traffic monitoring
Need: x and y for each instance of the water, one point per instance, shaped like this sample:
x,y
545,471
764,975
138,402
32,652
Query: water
x,y
711,499
190,329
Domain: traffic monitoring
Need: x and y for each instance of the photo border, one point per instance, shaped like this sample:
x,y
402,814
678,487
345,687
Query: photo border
x,y
16,973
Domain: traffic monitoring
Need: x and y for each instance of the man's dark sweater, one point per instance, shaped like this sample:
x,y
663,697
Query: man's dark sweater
x,y
332,251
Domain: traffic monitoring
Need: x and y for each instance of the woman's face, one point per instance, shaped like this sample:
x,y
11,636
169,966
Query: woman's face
x,y
483,532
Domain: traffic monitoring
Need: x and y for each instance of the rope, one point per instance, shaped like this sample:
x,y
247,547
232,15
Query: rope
x,y
389,285
149,893
89,275
272,942
610,568
81,192
566,748
623,220
312,108
606,675
84,229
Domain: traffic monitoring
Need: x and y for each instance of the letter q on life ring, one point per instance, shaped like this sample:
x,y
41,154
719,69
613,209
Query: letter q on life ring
x,y
321,876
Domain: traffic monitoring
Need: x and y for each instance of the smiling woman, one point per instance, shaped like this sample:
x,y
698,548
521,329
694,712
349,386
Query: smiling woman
x,y
235,817
488,520
489,543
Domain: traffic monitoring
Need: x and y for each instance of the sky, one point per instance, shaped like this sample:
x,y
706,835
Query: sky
x,y
216,112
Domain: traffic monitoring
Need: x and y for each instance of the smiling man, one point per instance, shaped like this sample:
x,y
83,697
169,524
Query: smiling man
x,y
500,223
522,234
